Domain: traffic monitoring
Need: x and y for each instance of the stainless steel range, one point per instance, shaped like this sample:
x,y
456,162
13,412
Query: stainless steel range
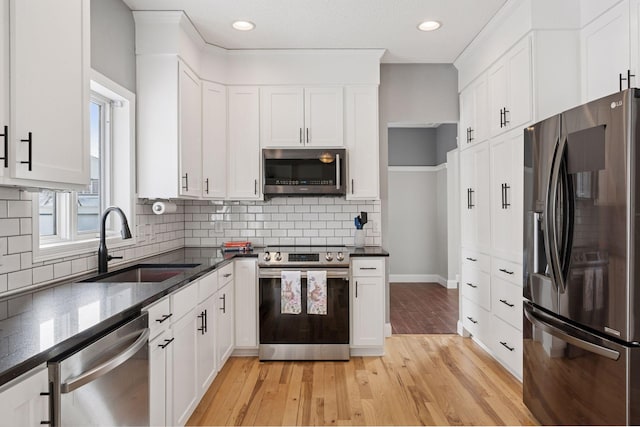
x,y
304,303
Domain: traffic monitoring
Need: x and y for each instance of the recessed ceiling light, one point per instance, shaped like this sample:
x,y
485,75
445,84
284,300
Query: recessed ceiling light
x,y
429,25
243,25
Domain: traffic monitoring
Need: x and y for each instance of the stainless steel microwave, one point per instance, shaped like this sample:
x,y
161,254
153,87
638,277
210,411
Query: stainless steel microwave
x,y
304,171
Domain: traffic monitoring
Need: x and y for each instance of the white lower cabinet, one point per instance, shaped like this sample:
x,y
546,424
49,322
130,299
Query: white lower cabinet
x,y
224,323
367,303
206,342
183,392
21,402
505,342
160,363
476,320
246,303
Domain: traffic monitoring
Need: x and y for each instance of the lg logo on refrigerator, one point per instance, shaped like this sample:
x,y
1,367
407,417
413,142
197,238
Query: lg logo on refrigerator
x,y
615,104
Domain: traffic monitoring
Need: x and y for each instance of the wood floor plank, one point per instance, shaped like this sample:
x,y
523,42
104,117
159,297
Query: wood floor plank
x,y
421,380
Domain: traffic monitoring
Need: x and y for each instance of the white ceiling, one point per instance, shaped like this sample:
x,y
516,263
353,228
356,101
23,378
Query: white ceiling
x,y
335,24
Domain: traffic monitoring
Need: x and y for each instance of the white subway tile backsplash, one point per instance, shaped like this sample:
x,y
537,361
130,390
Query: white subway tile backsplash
x,y
19,279
43,274
18,208
18,244
10,263
9,227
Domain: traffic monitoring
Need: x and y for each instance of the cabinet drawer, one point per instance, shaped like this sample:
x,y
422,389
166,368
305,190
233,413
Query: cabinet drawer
x,y
506,344
225,275
508,270
184,300
476,260
476,286
207,286
159,316
367,267
475,319
506,301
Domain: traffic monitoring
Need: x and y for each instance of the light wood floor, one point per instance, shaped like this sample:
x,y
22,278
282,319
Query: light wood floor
x,y
422,380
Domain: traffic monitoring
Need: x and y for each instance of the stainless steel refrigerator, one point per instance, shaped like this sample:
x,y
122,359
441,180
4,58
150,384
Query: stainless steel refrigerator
x,y
581,256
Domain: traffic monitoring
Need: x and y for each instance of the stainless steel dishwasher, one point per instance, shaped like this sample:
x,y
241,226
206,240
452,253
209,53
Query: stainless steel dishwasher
x,y
105,383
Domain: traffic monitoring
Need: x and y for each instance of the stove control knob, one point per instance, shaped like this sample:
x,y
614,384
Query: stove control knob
x,y
340,256
328,256
267,256
278,257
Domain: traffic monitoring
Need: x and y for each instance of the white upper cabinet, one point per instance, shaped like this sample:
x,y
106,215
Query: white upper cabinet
x,y
214,140
169,128
606,53
473,107
299,117
46,47
362,142
244,143
510,89
190,124
475,222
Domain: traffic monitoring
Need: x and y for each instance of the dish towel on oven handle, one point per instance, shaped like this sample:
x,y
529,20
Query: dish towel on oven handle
x,y
290,292
317,292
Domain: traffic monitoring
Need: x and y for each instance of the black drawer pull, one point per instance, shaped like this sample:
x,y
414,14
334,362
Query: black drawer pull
x,y
368,268
505,302
472,320
472,285
224,303
30,141
226,275
164,317
6,146
166,343
504,270
185,187
472,259
504,344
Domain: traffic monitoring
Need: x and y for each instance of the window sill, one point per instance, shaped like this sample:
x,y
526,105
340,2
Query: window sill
x,y
85,247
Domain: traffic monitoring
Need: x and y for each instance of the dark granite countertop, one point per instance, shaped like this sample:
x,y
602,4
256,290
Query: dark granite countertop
x,y
367,251
45,324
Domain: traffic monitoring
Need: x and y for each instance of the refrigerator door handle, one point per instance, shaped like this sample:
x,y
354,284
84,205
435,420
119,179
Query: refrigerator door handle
x,y
551,239
554,327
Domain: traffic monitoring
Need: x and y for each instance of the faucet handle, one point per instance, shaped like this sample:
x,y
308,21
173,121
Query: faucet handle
x,y
109,257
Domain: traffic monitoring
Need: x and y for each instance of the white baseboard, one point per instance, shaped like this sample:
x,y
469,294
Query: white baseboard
x,y
461,331
245,352
387,330
366,351
419,278
452,284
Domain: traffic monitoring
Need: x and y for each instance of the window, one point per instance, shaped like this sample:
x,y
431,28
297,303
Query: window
x,y
69,223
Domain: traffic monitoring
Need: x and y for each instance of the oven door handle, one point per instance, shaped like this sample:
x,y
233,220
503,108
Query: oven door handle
x,y
109,365
276,273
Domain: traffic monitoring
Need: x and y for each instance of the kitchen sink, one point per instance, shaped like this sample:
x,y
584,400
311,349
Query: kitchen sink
x,y
143,273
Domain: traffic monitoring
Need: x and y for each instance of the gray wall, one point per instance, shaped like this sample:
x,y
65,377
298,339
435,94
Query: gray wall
x,y
412,146
447,140
113,42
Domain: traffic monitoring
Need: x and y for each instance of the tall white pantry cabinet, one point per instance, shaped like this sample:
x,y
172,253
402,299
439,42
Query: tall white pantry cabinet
x,y
511,76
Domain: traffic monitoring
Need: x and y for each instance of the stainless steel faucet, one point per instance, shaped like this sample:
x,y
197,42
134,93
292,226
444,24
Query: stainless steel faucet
x,y
103,255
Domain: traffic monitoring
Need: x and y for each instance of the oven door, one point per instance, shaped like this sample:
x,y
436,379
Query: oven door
x,y
304,328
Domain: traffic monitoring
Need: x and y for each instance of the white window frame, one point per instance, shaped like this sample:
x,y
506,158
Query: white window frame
x,y
120,188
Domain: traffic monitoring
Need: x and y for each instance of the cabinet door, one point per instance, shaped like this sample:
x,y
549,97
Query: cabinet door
x,y
49,53
480,131
506,197
183,391
281,116
224,325
4,81
519,106
246,303
368,311
244,144
323,117
362,143
190,112
207,368
158,350
483,198
468,217
606,53
475,195
467,116
22,404
214,141
497,87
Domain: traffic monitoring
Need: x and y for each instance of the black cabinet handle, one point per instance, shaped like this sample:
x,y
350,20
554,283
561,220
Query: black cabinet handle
x,y
628,79
300,135
501,118
307,135
224,303
472,285
504,344
470,192
164,317
506,122
505,196
255,187
471,134
5,135
468,198
368,268
203,327
504,270
166,343
356,289
472,259
352,190
30,141
185,187
226,275
206,185
505,302
472,320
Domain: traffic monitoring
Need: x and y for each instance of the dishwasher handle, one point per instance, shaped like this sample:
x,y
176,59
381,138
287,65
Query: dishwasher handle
x,y
106,367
